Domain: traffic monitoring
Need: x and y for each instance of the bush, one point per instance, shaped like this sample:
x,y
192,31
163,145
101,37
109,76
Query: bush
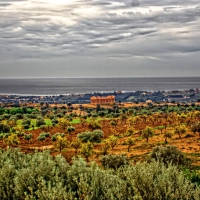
x,y
40,122
26,121
94,125
43,136
168,154
4,128
192,175
54,137
44,127
70,129
114,161
26,126
28,136
94,136
156,181
41,176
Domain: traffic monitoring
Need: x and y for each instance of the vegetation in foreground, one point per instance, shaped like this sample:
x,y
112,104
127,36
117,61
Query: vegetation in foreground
x,y
41,176
115,138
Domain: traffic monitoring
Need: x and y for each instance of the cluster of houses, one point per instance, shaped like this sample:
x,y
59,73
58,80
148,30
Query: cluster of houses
x,y
192,95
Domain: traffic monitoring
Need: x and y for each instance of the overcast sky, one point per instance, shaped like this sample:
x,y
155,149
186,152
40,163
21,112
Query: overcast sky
x,y
99,38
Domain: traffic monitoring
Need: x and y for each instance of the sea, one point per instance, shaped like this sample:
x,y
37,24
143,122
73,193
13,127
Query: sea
x,y
65,86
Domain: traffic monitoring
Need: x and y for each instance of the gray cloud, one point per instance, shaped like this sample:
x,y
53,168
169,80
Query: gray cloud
x,y
113,29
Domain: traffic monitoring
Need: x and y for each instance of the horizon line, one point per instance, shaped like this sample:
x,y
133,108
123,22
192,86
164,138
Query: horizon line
x,y
99,77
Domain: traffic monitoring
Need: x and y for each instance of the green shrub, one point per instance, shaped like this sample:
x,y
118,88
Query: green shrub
x,y
39,122
156,181
168,154
94,125
54,137
4,128
26,126
192,175
41,176
114,161
26,121
94,136
28,136
43,136
70,129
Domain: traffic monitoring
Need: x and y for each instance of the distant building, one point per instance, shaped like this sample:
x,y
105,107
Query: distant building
x,y
102,100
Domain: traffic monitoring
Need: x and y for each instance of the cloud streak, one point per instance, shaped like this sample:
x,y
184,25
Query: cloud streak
x,y
45,29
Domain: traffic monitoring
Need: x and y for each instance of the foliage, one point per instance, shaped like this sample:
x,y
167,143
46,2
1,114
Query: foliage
x,y
11,140
76,144
168,154
113,141
147,132
156,181
94,125
196,128
4,128
70,129
180,130
105,147
28,136
19,130
61,143
192,175
114,161
94,136
113,123
41,176
40,121
63,123
87,150
130,142
130,131
43,136
54,137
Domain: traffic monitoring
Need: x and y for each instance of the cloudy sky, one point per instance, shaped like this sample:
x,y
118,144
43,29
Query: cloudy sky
x,y
99,38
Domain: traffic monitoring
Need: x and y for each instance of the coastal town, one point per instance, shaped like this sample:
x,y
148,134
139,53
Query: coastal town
x,y
182,96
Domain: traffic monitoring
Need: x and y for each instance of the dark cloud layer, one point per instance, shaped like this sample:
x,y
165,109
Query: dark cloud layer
x,y
100,32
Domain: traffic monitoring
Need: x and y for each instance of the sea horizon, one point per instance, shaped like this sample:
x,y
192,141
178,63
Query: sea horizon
x,y
66,86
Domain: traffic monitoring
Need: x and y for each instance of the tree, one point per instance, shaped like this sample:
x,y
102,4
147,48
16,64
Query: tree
x,y
87,150
76,144
161,128
130,131
11,140
130,142
166,136
63,123
180,130
113,141
19,130
61,143
105,147
196,128
147,132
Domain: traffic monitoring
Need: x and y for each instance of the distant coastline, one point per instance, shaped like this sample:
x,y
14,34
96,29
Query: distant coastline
x,y
67,86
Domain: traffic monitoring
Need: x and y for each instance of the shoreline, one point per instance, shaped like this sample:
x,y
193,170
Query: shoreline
x,y
98,92
183,95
